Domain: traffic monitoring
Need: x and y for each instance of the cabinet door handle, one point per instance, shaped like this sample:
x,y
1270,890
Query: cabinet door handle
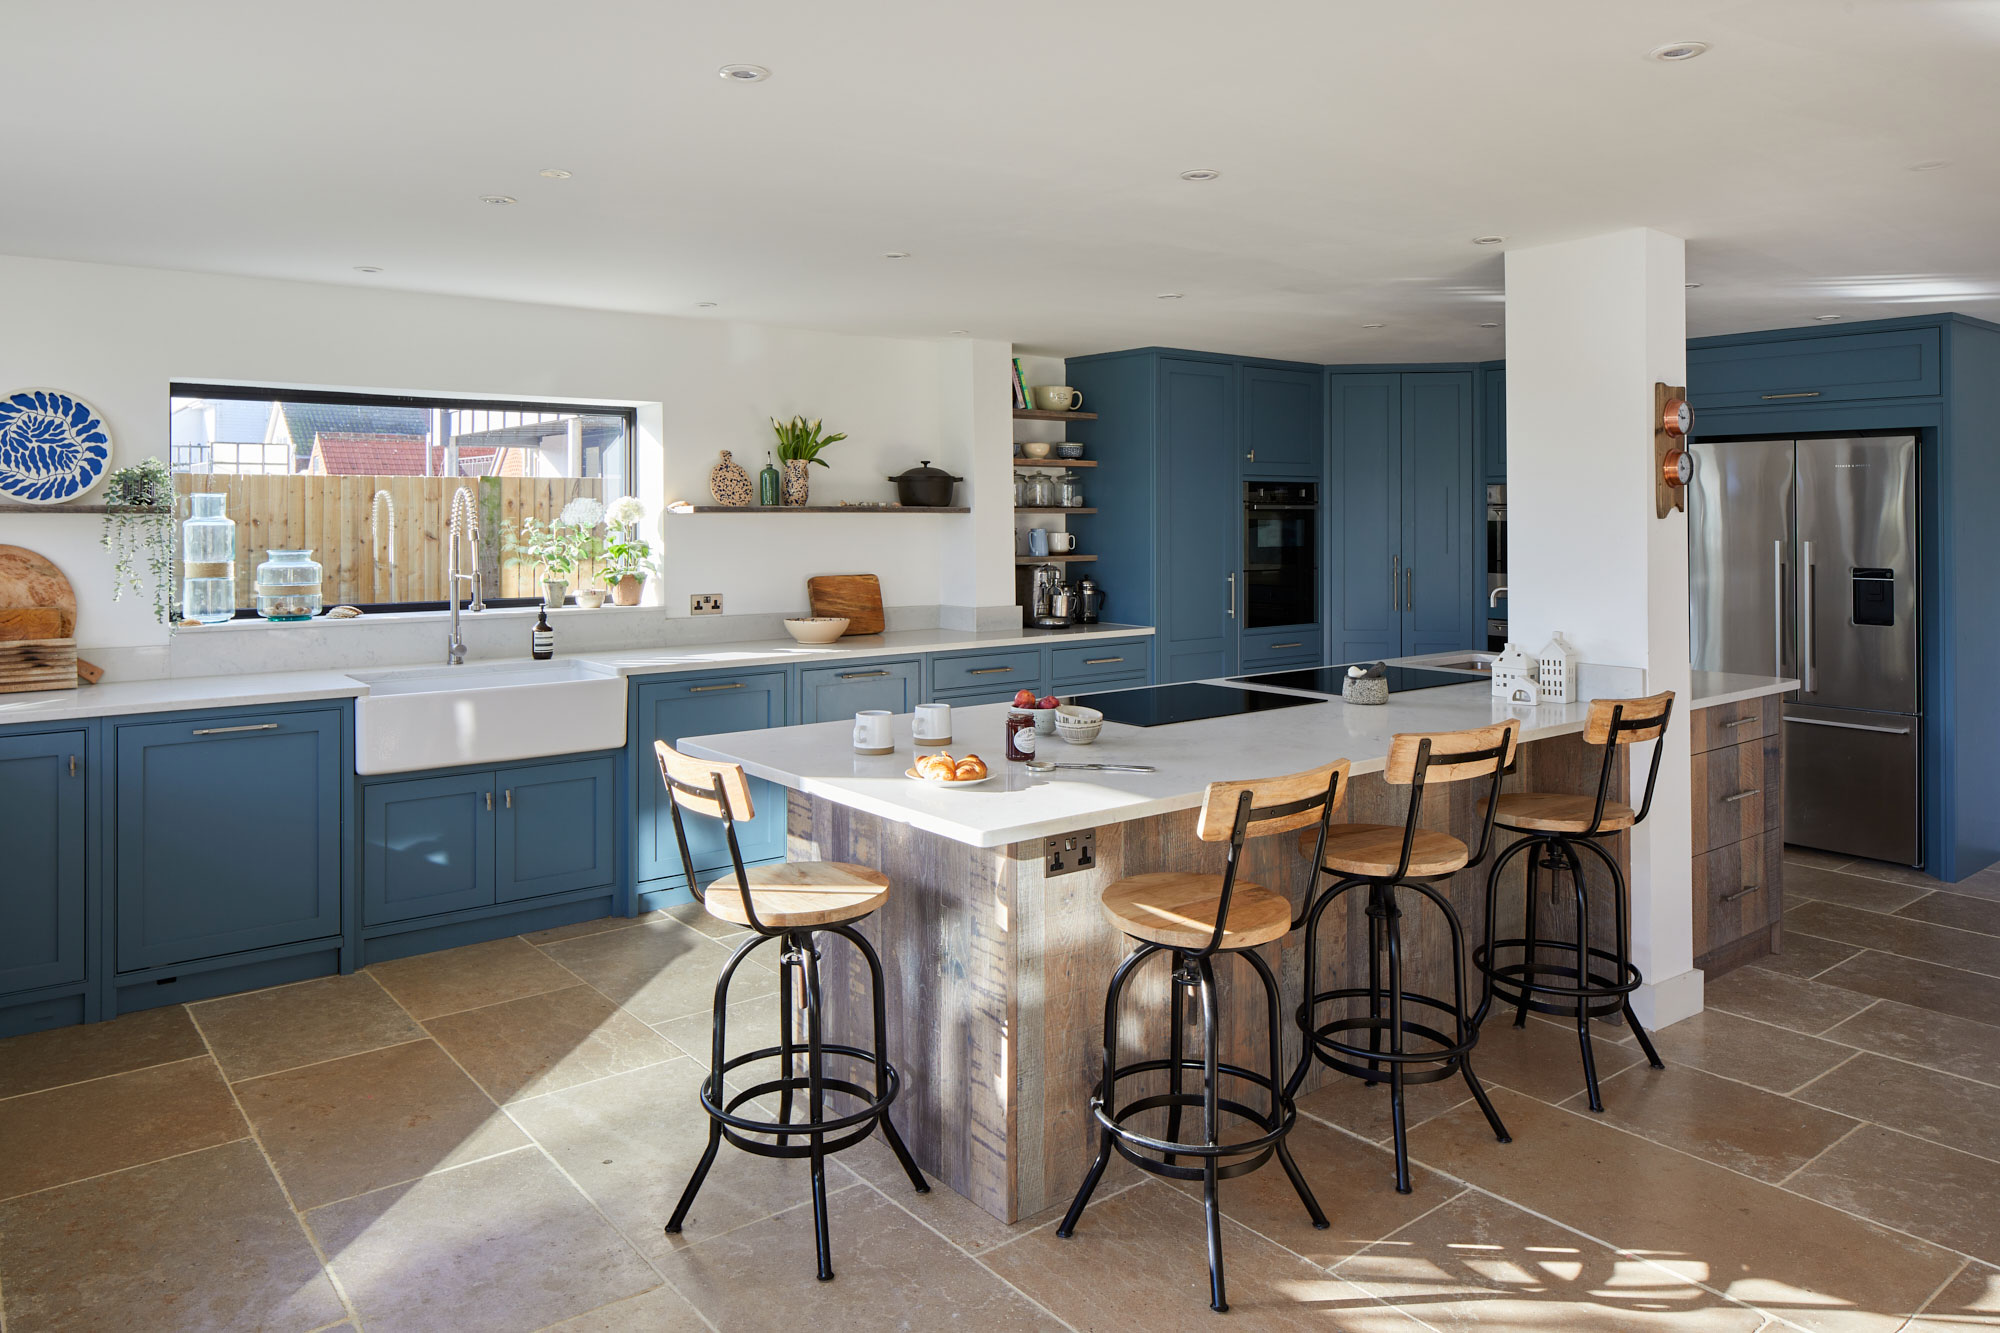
x,y
489,800
703,689
72,765
1741,721
1101,661
1232,597
1409,590
1276,646
1742,796
224,731
982,671
1743,892
1395,583
1810,393
1844,726
861,675
510,798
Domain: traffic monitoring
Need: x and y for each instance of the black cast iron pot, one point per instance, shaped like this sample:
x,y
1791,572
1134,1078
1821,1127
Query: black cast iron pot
x,y
925,487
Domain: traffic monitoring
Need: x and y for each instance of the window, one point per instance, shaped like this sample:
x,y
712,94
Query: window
x,y
365,482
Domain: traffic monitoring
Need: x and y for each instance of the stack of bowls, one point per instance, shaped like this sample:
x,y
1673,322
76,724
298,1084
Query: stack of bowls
x,y
1078,725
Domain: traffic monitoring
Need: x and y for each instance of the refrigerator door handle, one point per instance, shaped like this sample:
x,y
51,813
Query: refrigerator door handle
x,y
1846,726
1778,607
1807,577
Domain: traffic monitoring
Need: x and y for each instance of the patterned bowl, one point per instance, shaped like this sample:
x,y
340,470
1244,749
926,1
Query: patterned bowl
x,y
1078,725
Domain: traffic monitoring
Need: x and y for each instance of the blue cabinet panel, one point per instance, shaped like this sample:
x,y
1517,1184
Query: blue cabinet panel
x,y
1439,520
1088,664
1493,423
1200,592
676,707
41,879
1896,363
827,694
554,829
1276,649
1282,434
1364,514
427,847
228,835
984,673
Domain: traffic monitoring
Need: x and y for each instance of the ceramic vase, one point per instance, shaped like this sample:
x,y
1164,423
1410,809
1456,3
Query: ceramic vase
x,y
555,591
797,488
590,598
626,591
729,483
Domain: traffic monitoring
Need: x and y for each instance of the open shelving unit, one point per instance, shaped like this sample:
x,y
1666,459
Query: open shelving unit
x,y
1070,559
131,511
1039,414
1054,462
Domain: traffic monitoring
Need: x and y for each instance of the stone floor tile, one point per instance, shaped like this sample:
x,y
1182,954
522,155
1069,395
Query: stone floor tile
x,y
504,1244
1957,910
753,1023
661,1310
1479,1263
1809,856
1916,1186
892,1273
1137,1262
1982,884
1925,1037
578,929
661,970
699,917
1352,1105
107,1124
203,1242
632,1141
287,1026
1940,1107
1924,985
1789,1002
1805,955
50,1059
547,1042
1542,1059
1859,891
1892,873
1818,1267
347,1126
1909,938
1970,1300
1774,1058
1746,1129
430,984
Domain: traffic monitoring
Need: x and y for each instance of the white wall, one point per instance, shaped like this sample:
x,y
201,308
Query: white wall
x,y
119,336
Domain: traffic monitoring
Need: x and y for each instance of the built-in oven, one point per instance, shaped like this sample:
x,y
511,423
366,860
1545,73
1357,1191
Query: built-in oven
x,y
1280,554
1496,565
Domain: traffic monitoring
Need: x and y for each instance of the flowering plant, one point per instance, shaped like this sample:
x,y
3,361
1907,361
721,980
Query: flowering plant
x,y
565,544
626,554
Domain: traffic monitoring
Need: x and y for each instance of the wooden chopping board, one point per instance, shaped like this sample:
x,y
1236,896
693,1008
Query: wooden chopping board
x,y
856,596
28,582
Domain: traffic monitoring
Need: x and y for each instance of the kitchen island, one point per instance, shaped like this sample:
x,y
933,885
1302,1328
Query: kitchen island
x,y
995,950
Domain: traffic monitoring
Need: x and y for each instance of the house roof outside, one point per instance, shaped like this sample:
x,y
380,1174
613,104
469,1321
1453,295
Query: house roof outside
x,y
348,454
301,423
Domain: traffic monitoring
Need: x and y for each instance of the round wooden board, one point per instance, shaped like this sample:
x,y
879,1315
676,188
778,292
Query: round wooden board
x,y
29,580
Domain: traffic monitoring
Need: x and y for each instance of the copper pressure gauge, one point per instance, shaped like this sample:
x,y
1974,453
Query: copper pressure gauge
x,y
1677,419
1676,468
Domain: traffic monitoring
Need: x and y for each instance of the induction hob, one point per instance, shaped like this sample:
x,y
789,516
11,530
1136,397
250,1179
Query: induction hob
x,y
1164,705
1328,680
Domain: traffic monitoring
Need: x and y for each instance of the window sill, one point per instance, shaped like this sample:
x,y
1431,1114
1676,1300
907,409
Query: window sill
x,y
522,613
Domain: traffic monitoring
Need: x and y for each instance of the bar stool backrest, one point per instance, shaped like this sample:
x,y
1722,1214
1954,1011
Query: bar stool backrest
x,y
1616,722
720,791
1235,811
1417,758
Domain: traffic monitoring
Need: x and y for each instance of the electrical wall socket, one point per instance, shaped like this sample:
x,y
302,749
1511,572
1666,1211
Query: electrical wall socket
x,y
1066,853
705,604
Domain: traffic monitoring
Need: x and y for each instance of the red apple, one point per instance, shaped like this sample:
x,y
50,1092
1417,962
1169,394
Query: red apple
x,y
1046,701
1024,699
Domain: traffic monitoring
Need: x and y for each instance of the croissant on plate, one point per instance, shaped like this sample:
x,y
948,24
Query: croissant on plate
x,y
938,766
969,769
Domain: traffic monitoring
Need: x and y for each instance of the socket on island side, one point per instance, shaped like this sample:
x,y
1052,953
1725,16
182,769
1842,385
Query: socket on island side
x,y
705,604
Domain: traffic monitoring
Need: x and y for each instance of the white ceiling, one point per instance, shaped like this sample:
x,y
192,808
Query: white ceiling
x,y
1026,154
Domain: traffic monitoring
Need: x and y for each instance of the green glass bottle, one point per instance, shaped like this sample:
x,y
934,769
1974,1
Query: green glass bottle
x,y
767,482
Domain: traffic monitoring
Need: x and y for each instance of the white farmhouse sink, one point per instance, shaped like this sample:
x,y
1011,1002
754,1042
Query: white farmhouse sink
x,y
437,717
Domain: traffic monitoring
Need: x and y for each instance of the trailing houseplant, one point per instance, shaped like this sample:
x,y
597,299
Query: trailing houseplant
x,y
799,445
141,542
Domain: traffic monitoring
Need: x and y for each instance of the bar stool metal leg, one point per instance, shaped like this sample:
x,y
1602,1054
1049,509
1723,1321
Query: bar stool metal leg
x,y
786,1067
1106,1086
1392,932
816,1103
1210,1136
712,1087
1176,1053
1618,902
1531,900
882,1074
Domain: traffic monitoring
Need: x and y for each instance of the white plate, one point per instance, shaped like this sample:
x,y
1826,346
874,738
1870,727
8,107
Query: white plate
x,y
911,774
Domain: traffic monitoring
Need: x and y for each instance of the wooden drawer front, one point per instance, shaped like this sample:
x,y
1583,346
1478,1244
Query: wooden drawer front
x,y
1732,724
1020,667
1087,664
1738,891
1774,783
1897,363
1729,795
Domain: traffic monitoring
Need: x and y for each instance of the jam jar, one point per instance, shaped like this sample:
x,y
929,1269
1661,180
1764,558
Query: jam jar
x,y
1020,734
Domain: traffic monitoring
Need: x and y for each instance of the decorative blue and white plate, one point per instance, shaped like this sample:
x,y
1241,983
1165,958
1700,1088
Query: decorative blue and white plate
x,y
52,447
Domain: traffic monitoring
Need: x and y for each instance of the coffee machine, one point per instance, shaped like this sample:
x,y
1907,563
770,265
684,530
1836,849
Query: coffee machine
x,y
1053,604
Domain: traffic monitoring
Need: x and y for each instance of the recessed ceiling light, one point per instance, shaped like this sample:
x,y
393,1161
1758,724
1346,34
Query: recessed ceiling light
x,y
496,199
1931,165
1677,51
1489,240
704,305
744,73
897,254
1690,285
555,173
1200,174
1826,319
366,268
1168,296
1489,325
1374,326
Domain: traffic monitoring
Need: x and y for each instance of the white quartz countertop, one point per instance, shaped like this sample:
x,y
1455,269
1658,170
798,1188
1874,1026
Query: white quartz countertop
x,y
258,689
1709,688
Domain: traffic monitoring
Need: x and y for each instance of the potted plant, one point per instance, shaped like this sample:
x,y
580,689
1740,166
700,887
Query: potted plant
x,y
799,445
145,534
628,558
543,546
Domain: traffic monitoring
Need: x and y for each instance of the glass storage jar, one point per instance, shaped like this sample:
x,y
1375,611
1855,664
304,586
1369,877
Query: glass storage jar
x,y
288,586
1042,491
208,560
1069,490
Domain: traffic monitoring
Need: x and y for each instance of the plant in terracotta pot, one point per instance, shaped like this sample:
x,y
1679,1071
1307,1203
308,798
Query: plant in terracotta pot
x,y
799,445
628,558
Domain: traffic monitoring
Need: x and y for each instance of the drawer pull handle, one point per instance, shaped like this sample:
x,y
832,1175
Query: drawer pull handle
x,y
1101,661
1276,646
1742,796
1743,892
224,731
1741,721
1772,397
489,800
987,671
861,675
703,689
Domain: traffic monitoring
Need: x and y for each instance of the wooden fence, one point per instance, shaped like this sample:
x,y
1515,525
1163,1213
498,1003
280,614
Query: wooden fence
x,y
332,517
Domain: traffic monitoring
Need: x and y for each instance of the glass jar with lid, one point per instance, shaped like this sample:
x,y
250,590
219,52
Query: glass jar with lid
x,y
1069,490
208,560
1042,491
288,586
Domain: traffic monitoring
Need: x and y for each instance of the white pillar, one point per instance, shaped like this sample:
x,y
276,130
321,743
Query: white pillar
x,y
1592,325
975,426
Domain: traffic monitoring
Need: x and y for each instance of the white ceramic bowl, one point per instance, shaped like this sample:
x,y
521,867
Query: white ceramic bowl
x,y
816,629
1078,725
1035,448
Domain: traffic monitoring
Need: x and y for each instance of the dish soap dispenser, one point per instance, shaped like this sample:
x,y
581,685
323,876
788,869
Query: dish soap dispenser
x,y
542,641
767,482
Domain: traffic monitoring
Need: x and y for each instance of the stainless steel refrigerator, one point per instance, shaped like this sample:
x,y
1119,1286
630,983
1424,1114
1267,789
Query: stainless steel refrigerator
x,y
1803,562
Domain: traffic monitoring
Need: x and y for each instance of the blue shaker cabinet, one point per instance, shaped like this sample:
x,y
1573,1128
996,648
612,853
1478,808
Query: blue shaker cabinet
x,y
427,847
1201,593
227,835
42,885
669,708
552,830
828,694
1440,524
1281,423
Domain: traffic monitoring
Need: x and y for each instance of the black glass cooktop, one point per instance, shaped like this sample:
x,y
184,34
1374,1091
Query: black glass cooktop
x,y
1327,680
1164,705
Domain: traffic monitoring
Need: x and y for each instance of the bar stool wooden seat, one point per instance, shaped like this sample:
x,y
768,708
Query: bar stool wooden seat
x,y
1193,918
1386,858
1595,982
790,905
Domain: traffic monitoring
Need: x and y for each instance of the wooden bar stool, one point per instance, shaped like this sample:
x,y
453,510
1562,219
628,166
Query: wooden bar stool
x,y
1555,825
789,904
1192,918
1385,858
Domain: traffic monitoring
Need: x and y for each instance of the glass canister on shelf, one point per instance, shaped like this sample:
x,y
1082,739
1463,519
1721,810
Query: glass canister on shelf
x,y
1069,490
288,586
208,560
1042,491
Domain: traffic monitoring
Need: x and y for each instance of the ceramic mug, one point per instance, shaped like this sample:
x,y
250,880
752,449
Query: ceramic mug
x,y
1058,398
932,725
1062,543
872,734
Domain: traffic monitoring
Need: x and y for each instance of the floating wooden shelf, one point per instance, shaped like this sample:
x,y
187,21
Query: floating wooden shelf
x,y
822,509
1055,462
1051,559
135,511
1038,414
1030,509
